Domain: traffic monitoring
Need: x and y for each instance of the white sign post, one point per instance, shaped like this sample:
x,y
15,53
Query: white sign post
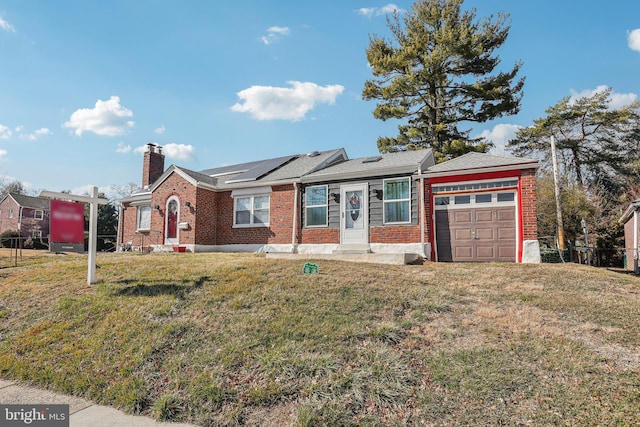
x,y
93,202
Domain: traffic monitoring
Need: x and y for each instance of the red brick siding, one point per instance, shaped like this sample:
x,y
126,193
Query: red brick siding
x,y
152,167
174,185
28,223
280,220
205,207
528,198
395,234
317,236
7,223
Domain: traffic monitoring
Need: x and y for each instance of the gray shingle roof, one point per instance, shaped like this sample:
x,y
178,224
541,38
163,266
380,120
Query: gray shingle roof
x,y
479,161
31,202
404,161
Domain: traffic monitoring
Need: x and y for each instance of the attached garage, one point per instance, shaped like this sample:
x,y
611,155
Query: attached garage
x,y
482,208
476,229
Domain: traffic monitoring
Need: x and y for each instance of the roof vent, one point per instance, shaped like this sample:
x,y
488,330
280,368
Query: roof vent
x,y
372,159
313,154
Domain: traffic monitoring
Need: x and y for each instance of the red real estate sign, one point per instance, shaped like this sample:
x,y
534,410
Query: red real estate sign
x,y
67,222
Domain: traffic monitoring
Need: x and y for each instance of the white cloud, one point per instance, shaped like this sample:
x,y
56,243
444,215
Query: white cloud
x,y
160,130
38,133
500,136
274,33
179,151
172,151
618,100
279,103
378,11
5,132
123,149
107,118
6,26
633,40
141,149
3,155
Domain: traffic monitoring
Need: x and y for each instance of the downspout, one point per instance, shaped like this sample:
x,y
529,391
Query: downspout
x,y
422,209
20,220
119,232
295,218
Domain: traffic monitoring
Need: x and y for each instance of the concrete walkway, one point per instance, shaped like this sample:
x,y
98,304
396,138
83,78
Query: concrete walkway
x,y
84,413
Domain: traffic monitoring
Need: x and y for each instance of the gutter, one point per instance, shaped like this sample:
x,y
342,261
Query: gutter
x,y
295,218
475,171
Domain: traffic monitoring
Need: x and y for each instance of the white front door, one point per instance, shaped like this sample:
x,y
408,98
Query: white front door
x,y
354,215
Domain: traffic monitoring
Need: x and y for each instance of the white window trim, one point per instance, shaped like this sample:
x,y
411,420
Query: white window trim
x,y
138,213
325,205
472,205
36,234
252,197
10,212
500,184
35,215
384,201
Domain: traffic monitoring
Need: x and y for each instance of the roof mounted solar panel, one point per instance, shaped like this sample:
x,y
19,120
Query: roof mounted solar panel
x,y
261,169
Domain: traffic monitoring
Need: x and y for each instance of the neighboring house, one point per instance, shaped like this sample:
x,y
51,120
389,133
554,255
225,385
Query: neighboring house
x,y
631,235
25,214
477,207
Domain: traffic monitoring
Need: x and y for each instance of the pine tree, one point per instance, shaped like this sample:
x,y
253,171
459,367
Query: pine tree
x,y
437,73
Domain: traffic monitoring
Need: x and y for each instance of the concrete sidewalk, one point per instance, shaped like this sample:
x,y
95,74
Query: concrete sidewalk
x,y
84,413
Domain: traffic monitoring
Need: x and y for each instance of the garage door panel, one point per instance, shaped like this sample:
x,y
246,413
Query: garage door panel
x,y
461,217
463,253
506,253
506,234
485,233
483,215
462,234
485,252
505,214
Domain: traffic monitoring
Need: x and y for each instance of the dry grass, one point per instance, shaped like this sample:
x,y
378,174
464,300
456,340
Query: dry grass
x,y
221,339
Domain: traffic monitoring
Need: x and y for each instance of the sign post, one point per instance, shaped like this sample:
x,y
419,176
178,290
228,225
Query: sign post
x,y
93,200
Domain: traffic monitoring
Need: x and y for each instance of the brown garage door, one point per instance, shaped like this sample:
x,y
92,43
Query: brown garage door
x,y
479,234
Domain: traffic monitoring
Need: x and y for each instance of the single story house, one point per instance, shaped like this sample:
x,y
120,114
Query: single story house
x,y
631,234
27,215
477,207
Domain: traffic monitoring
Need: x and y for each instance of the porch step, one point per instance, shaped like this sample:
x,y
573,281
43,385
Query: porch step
x,y
352,249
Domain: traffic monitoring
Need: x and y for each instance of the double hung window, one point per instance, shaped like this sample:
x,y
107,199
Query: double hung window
x,y
144,218
397,200
251,211
316,206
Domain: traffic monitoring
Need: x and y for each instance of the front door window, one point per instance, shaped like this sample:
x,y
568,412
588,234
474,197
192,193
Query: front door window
x,y
172,218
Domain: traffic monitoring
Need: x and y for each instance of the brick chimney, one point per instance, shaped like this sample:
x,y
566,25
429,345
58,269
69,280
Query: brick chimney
x,y
153,165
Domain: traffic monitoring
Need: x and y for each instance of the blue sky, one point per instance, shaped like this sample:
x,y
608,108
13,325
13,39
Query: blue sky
x,y
85,84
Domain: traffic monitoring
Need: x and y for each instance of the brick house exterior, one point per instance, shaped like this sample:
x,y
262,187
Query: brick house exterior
x,y
327,203
25,214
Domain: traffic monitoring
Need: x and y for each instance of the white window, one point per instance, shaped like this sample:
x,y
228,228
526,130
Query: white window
x,y
36,234
38,214
251,211
397,200
144,218
316,198
10,212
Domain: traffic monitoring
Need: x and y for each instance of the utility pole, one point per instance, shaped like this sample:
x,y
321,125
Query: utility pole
x,y
561,243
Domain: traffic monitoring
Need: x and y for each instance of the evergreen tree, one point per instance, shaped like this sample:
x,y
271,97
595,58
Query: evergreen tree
x,y
595,143
436,73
